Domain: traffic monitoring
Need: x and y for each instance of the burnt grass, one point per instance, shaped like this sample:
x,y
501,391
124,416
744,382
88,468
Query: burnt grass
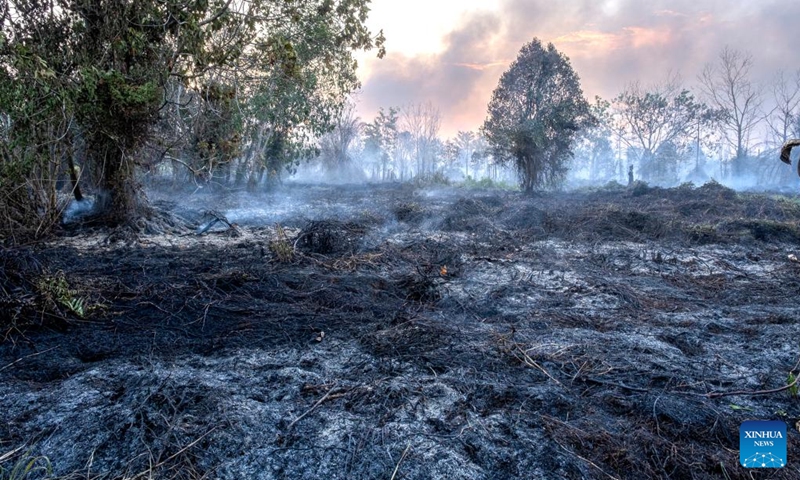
x,y
392,332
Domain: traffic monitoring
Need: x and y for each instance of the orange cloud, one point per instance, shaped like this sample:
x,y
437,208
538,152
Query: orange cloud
x,y
590,40
593,42
483,66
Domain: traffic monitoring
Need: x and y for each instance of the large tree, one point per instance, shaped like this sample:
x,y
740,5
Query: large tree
x,y
535,114
108,64
729,88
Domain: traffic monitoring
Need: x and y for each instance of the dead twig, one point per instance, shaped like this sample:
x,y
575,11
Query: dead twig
x,y
571,452
174,455
752,392
613,384
319,402
10,454
527,360
402,457
26,357
215,218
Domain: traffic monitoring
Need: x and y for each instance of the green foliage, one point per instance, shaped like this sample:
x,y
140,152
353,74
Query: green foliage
x,y
281,247
659,123
792,383
274,70
487,183
56,289
34,117
429,179
381,141
115,110
26,467
304,79
535,113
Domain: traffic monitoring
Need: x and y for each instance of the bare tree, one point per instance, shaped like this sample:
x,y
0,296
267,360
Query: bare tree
x,y
786,94
729,88
465,143
422,121
781,121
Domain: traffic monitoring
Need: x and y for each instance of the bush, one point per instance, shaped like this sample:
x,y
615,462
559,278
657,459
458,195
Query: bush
x,y
487,183
428,179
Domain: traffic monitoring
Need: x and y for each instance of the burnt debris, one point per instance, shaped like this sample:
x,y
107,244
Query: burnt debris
x,y
621,334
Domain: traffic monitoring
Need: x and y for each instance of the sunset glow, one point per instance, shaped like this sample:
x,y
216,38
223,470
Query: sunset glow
x,y
452,53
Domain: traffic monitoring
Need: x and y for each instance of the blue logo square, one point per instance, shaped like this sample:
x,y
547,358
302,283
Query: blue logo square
x,y
762,444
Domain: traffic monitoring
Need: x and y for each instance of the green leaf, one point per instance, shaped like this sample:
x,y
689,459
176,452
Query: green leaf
x,y
792,380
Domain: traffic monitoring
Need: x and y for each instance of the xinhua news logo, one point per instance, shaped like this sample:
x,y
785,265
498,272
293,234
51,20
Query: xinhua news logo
x,y
762,444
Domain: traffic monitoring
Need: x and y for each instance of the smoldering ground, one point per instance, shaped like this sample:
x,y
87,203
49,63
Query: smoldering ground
x,y
391,332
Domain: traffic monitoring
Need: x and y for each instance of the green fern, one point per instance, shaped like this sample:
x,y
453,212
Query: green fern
x,y
56,288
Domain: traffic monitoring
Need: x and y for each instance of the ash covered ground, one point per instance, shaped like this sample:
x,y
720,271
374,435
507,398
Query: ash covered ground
x,y
401,333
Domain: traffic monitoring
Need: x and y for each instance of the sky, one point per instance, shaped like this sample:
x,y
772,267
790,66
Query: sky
x,y
452,53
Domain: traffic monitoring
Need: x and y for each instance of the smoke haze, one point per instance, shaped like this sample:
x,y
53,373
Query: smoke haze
x,y
610,44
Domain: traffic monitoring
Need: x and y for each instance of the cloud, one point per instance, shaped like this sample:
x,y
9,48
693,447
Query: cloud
x,y
455,79
610,43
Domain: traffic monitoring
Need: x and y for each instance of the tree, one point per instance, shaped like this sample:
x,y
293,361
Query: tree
x,y
651,120
381,142
110,62
36,118
728,88
594,149
465,143
482,158
422,122
786,95
335,145
534,115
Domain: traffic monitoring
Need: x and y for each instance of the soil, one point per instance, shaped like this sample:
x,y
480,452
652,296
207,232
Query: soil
x,y
400,333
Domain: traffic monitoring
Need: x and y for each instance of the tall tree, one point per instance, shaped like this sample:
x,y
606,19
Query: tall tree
x,y
786,95
729,88
113,59
535,114
36,117
422,122
381,140
465,144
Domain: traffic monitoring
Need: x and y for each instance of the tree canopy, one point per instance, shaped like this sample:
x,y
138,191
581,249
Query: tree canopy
x,y
535,114
98,76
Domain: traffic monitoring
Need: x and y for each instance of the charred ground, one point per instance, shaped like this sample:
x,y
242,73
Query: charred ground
x,y
410,333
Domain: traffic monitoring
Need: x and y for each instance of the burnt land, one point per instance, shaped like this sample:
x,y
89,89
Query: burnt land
x,y
393,332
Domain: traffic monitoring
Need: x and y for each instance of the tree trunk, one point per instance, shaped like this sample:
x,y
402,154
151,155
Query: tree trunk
x,y
73,176
120,201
